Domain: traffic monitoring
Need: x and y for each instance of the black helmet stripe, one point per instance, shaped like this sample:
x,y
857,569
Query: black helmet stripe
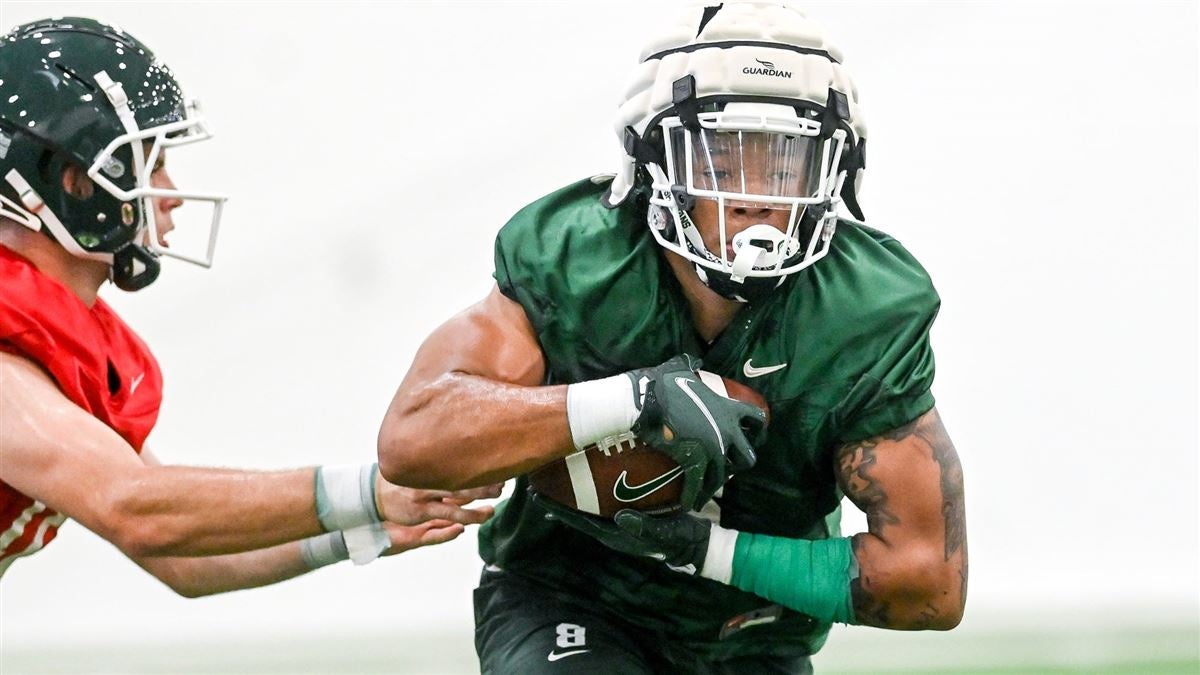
x,y
726,44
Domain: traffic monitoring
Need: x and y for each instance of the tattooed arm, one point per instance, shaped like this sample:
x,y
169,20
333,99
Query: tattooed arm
x,y
908,572
913,559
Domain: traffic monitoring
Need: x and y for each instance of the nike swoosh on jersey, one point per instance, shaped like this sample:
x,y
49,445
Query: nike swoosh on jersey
x,y
136,381
554,656
751,371
624,492
686,385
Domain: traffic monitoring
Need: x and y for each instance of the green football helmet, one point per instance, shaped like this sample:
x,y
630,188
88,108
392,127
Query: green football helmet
x,y
76,91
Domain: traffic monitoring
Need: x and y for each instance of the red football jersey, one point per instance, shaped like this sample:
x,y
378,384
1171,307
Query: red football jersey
x,y
97,361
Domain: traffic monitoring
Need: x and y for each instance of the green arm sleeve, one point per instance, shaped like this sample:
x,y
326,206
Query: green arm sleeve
x,y
809,576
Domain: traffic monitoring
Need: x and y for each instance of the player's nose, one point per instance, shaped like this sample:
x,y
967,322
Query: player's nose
x,y
743,216
759,210
161,179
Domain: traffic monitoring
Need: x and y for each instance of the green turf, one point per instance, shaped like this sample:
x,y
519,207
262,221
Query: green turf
x,y
1191,667
1171,650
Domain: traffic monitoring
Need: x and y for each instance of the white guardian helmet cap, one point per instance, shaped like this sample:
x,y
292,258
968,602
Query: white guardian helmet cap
x,y
746,104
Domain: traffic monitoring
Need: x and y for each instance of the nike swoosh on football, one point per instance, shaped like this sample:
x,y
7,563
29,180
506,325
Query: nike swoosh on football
x,y
554,656
751,371
624,492
686,385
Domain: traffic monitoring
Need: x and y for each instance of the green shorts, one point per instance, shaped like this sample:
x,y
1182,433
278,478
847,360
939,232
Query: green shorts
x,y
522,627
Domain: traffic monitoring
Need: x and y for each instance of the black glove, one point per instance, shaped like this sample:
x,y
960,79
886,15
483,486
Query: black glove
x,y
707,434
680,540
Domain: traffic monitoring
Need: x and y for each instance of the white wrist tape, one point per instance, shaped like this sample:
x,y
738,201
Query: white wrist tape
x,y
597,409
366,542
323,549
718,562
345,495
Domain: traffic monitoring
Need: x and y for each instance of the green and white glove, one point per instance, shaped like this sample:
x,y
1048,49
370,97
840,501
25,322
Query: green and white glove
x,y
710,436
669,406
680,540
810,576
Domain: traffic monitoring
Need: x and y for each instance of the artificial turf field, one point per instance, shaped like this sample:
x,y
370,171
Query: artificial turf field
x,y
1172,650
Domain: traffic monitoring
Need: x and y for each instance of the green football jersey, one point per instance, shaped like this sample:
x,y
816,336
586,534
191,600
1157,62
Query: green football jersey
x,y
840,351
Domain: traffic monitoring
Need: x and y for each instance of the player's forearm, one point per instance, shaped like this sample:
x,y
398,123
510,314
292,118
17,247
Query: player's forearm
x,y
188,511
196,577
461,430
908,585
913,560
859,580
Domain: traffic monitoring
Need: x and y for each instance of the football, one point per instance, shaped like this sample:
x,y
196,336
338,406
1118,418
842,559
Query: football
x,y
622,472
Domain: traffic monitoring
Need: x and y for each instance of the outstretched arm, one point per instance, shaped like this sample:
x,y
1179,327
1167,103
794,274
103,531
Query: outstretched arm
x,y
196,577
912,561
57,453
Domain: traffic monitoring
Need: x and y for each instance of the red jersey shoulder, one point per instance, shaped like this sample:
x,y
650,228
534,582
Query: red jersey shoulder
x,y
97,361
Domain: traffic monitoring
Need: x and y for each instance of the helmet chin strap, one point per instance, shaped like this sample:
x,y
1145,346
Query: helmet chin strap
x,y
760,245
134,268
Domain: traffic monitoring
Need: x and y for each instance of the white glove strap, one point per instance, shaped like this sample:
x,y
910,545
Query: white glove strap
x,y
718,562
366,543
345,495
323,549
597,409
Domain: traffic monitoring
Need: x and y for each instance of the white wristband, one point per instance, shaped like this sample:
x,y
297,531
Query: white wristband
x,y
597,409
366,543
323,549
345,495
718,561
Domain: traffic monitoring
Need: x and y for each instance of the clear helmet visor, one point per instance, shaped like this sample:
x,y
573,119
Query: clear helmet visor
x,y
763,156
752,167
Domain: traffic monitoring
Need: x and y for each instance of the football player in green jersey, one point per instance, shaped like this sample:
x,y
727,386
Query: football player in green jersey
x,y
720,238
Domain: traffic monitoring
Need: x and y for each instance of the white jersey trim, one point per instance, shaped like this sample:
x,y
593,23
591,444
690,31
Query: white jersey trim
x,y
20,526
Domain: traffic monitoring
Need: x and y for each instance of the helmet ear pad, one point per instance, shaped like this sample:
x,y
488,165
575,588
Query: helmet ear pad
x,y
96,219
658,219
75,181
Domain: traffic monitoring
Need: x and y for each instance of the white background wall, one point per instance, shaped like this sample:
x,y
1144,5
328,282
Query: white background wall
x,y
1039,158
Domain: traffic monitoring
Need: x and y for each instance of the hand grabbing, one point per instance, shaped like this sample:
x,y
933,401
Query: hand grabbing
x,y
406,506
680,540
709,435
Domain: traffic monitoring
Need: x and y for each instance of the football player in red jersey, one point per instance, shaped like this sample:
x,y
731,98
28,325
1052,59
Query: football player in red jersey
x,y
86,116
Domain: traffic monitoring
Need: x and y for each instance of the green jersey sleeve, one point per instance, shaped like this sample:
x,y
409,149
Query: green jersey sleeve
x,y
896,387
590,282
